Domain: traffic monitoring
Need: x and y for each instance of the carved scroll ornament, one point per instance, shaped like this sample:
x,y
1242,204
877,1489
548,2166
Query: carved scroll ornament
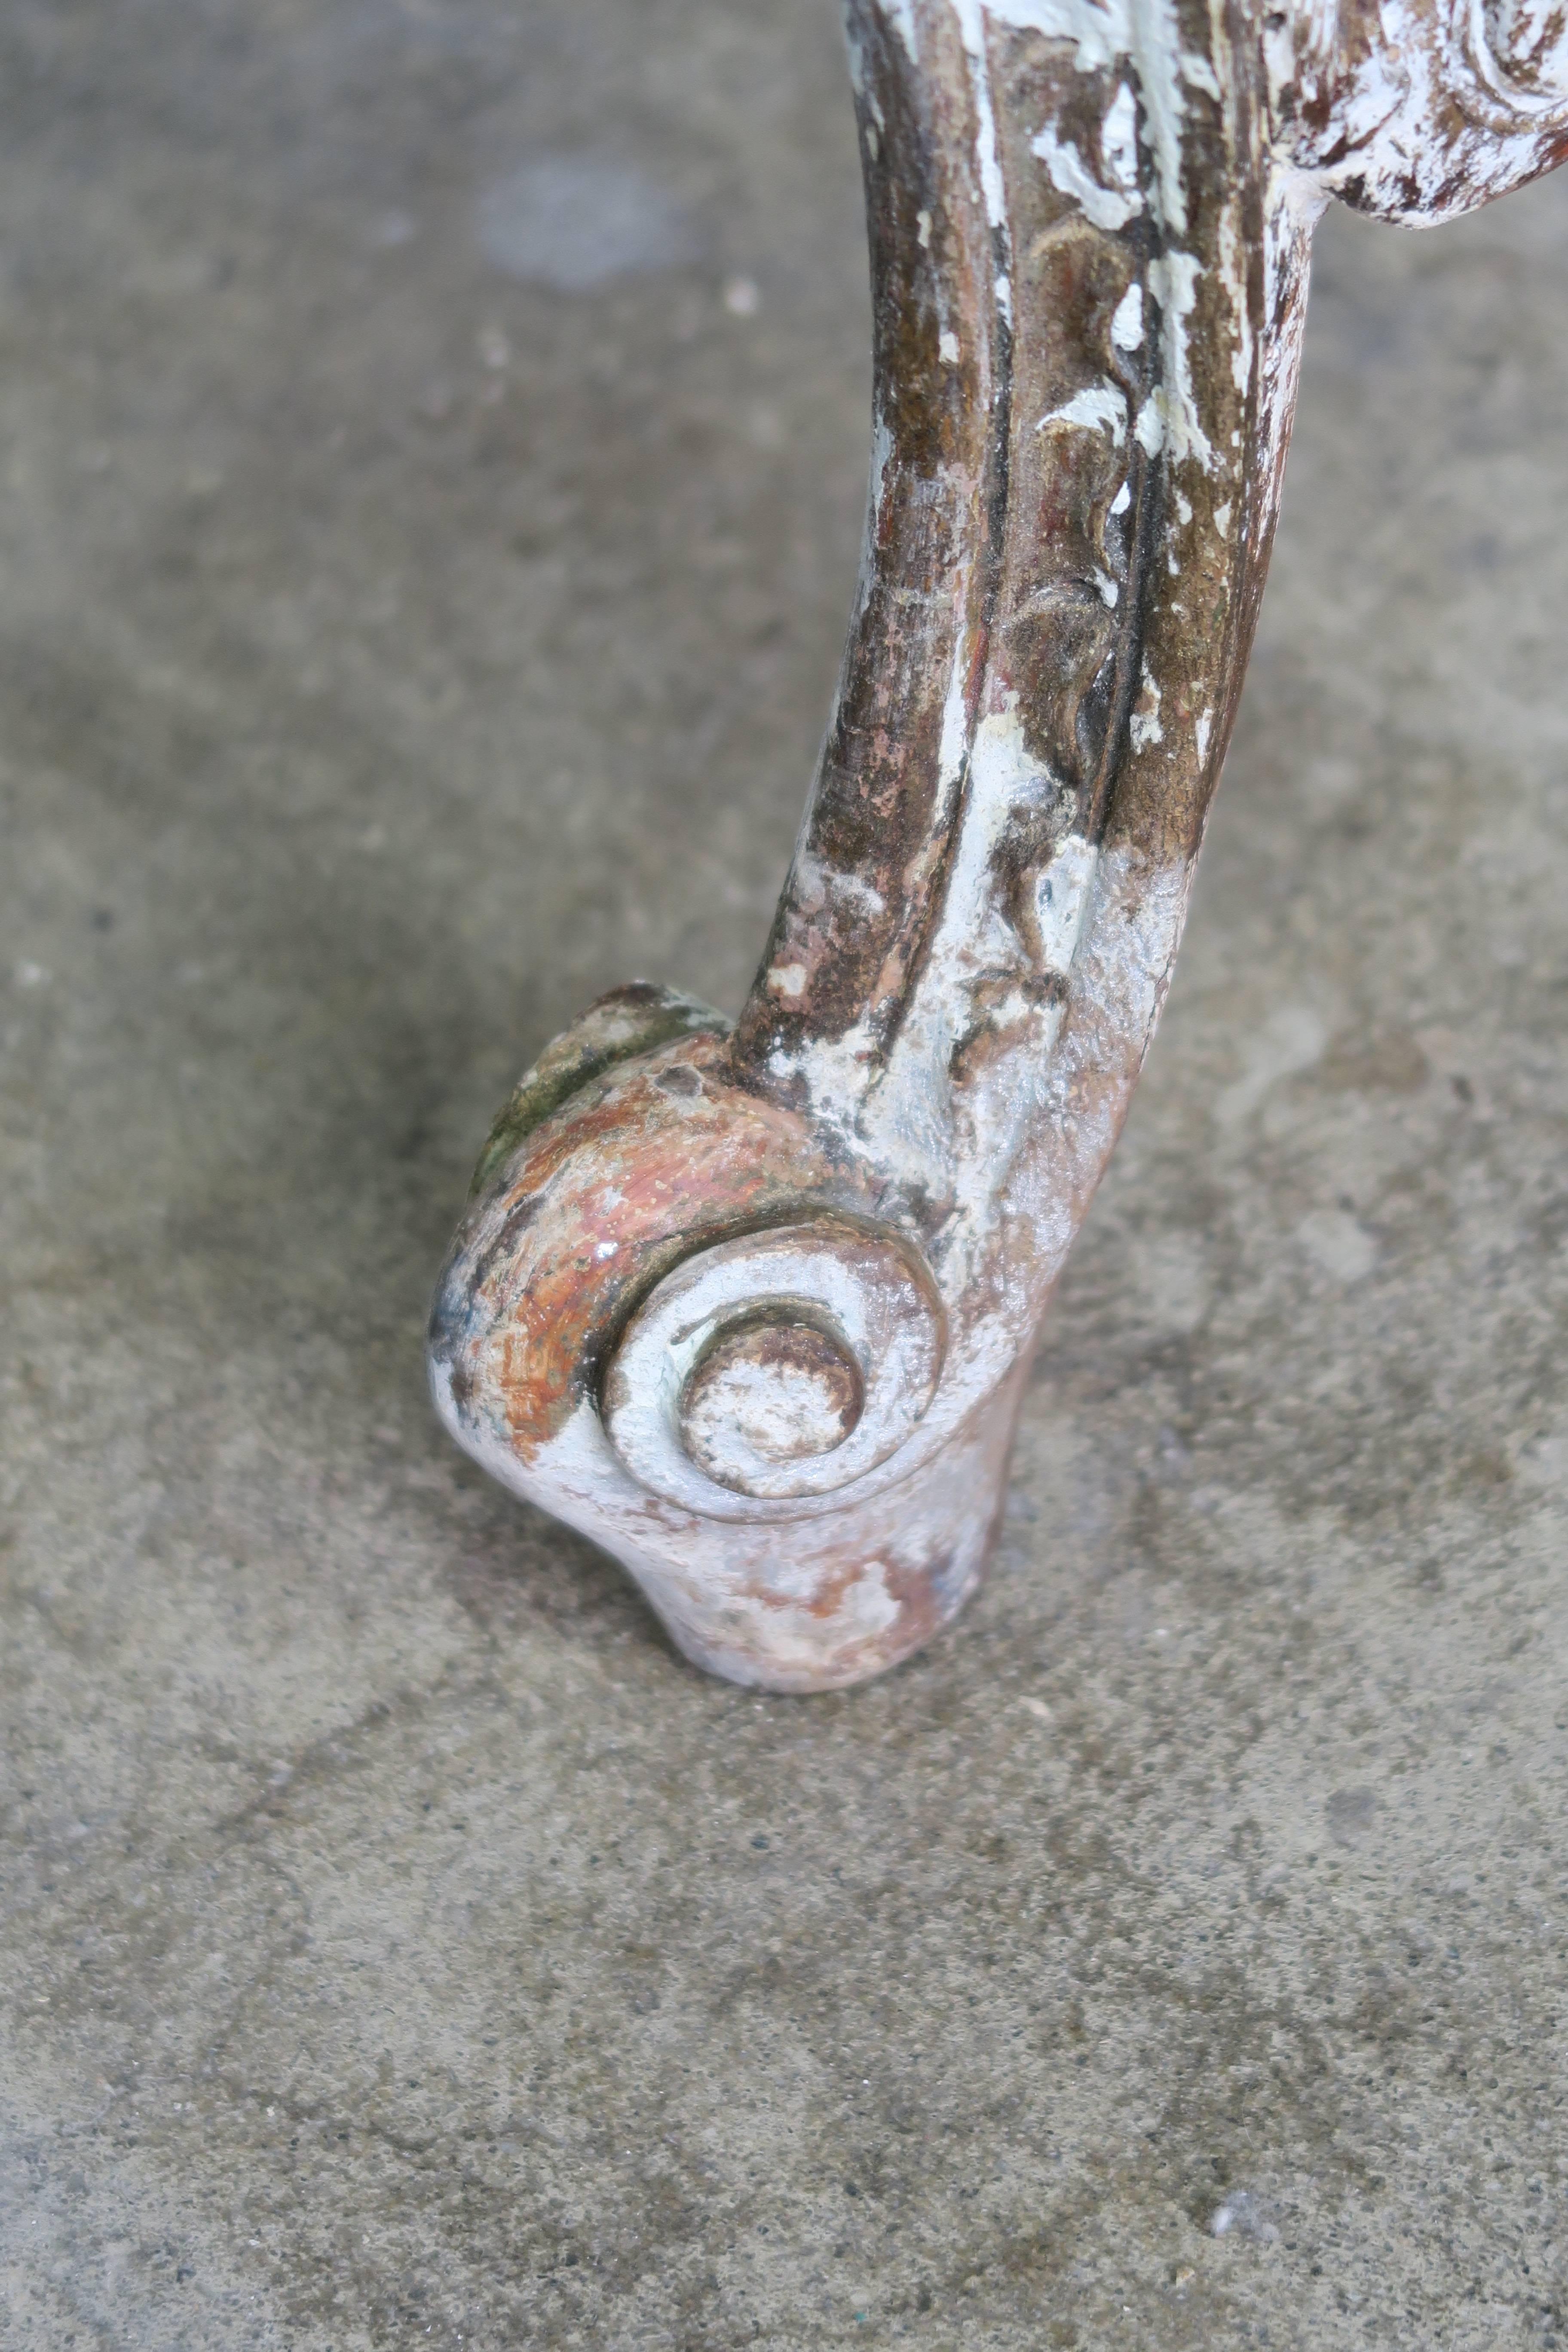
x,y
753,1305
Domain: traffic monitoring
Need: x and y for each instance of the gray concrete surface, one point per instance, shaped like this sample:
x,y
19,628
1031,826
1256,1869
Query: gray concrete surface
x,y
411,622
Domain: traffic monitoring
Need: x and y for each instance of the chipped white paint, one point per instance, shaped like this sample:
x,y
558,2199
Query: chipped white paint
x,y
854,890
1522,47
882,463
970,18
953,1143
1198,74
1156,47
1061,895
743,1596
964,1112
1173,282
1119,140
1144,724
698,1548
1126,321
1098,408
1233,268
1107,33
902,17
860,1291
1143,33
1107,208
764,1412
1099,30
1443,105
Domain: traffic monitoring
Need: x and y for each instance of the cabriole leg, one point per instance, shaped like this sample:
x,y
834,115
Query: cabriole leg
x,y
753,1305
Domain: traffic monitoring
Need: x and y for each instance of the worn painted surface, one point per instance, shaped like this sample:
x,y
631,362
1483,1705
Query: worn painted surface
x,y
1213,1864
1089,227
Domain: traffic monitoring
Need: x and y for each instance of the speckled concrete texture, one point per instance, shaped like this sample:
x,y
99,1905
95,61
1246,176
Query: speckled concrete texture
x,y
433,437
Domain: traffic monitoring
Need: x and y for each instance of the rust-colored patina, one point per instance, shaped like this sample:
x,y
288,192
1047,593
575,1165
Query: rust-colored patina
x,y
754,1307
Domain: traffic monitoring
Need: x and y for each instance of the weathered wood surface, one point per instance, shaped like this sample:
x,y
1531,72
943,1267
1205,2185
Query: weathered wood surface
x,y
752,1305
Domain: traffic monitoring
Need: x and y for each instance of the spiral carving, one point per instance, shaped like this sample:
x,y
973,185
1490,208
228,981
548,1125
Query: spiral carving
x,y
1421,114
776,1367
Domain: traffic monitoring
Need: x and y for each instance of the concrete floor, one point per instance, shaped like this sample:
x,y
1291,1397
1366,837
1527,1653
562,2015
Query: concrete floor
x,y
410,623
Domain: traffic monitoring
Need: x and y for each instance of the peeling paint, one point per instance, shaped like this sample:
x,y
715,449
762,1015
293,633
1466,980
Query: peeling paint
x,y
753,1309
1099,407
